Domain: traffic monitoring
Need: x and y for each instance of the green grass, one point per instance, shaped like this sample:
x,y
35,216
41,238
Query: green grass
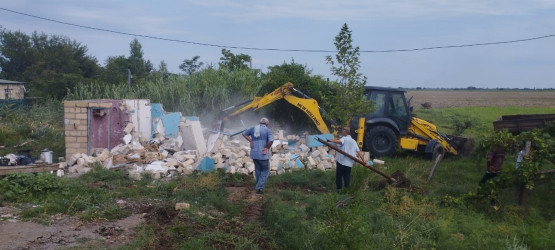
x,y
302,209
482,118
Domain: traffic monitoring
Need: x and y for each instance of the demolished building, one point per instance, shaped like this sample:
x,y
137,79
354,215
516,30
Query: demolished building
x,y
140,136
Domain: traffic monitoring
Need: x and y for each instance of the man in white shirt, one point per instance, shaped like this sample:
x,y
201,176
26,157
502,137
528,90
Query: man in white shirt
x,y
344,163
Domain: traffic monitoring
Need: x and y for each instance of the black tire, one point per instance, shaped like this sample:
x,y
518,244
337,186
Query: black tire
x,y
438,150
380,141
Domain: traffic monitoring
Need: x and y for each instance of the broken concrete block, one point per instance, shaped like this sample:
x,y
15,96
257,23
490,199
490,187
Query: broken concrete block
x,y
60,173
150,157
133,156
62,165
108,163
186,163
321,166
72,169
243,171
182,205
193,136
72,159
280,135
156,175
134,175
315,153
81,162
366,156
156,167
232,170
83,170
172,162
129,128
104,155
179,140
127,138
311,161
249,166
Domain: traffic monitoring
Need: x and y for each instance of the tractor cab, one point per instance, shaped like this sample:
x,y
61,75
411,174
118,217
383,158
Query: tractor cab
x,y
391,107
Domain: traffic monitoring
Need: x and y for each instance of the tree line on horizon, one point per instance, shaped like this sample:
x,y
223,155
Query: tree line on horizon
x,y
53,66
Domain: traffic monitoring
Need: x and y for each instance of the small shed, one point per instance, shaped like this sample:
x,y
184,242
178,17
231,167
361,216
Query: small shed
x,y
12,90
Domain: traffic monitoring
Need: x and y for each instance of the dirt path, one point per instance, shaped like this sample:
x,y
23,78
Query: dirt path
x,y
65,231
252,200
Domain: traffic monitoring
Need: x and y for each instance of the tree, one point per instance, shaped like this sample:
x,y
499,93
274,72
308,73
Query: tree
x,y
190,66
138,66
16,54
118,67
49,64
314,86
115,71
350,98
233,62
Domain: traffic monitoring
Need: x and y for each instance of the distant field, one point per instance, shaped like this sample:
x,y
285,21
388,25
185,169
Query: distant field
x,y
452,98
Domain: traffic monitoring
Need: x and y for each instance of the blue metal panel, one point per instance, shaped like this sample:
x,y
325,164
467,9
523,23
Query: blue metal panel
x,y
206,165
171,124
157,110
312,142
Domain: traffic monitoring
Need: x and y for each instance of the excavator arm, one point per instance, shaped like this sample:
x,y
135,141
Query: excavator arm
x,y
305,103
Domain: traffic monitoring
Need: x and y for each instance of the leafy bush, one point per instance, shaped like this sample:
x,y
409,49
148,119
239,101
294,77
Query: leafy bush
x,y
29,187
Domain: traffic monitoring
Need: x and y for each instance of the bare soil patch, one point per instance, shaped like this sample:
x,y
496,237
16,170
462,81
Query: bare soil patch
x,y
68,231
253,201
455,98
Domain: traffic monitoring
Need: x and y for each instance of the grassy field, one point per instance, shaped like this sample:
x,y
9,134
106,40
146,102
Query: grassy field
x,y
302,209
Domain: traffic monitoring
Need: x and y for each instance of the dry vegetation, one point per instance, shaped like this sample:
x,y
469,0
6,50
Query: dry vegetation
x,y
452,98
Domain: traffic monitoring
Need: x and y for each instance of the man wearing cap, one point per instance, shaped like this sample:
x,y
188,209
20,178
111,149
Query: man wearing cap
x,y
261,139
344,163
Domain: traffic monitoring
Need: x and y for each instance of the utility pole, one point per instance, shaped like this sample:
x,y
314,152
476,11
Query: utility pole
x,y
129,78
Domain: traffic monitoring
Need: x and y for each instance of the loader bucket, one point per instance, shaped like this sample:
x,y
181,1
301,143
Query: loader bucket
x,y
464,146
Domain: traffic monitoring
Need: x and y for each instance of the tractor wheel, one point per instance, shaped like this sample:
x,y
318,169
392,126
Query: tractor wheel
x,y
380,141
438,150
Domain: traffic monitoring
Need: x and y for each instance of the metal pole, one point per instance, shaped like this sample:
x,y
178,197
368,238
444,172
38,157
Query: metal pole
x,y
355,159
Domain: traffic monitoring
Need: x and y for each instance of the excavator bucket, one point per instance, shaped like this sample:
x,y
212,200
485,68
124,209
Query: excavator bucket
x,y
463,145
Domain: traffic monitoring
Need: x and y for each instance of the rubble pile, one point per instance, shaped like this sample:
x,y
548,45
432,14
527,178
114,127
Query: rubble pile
x,y
162,156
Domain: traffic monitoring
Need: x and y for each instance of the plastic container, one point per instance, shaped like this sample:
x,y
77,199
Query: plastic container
x,y
46,156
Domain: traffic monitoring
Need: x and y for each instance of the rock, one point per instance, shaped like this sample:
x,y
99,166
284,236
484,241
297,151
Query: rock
x,y
135,175
60,172
182,205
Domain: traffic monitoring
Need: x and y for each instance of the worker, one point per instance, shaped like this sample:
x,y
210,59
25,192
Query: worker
x,y
344,163
261,139
495,160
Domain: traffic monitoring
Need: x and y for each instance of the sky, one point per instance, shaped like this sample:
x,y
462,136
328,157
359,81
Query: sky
x,y
376,25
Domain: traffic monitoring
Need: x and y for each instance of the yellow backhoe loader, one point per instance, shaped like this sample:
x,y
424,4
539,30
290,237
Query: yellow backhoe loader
x,y
389,127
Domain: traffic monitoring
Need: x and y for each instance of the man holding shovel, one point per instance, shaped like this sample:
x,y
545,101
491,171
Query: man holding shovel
x,y
344,163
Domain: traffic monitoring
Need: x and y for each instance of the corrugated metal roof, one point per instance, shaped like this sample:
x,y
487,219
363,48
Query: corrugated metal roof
x,y
2,81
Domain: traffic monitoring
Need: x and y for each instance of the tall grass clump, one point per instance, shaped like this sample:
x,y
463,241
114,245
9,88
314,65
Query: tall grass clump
x,y
33,127
206,91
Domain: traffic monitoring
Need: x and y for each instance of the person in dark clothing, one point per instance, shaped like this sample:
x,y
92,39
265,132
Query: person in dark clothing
x,y
495,160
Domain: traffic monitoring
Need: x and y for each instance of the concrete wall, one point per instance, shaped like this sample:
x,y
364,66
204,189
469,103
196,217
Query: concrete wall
x,y
140,114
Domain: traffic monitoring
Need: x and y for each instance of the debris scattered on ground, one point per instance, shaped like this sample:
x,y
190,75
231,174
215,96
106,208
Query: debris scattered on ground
x,y
166,157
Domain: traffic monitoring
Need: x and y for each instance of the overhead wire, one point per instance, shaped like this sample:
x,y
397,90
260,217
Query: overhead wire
x,y
274,49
